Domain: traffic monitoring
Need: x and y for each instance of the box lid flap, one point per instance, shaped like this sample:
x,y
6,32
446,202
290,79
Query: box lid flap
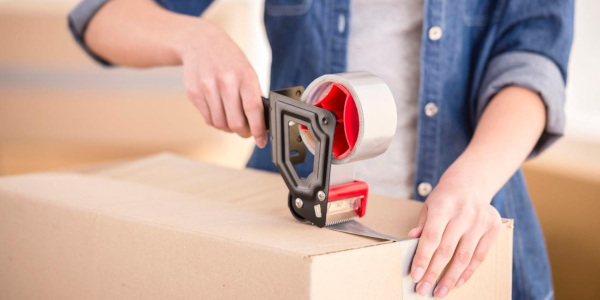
x,y
246,206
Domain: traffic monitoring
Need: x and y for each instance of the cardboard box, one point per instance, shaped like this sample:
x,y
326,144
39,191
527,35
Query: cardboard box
x,y
166,227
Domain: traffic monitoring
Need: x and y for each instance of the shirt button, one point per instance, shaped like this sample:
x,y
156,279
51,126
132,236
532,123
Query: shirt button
x,y
435,33
424,188
431,109
341,23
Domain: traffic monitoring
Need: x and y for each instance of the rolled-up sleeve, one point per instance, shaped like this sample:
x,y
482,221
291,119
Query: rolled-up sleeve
x,y
79,19
536,73
532,51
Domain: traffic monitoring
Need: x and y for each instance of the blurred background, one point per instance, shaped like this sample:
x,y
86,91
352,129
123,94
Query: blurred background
x,y
60,110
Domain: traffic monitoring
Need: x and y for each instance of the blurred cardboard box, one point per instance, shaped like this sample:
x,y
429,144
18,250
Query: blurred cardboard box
x,y
167,227
58,108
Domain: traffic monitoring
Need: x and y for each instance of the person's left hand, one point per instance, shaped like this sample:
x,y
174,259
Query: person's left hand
x,y
457,226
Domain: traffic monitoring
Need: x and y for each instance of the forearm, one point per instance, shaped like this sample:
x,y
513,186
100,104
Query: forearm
x,y
217,76
140,33
457,218
507,132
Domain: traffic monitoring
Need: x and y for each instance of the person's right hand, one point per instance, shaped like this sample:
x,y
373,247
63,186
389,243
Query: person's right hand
x,y
217,76
221,83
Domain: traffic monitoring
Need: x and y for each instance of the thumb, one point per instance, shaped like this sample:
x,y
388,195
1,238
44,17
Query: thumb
x,y
416,232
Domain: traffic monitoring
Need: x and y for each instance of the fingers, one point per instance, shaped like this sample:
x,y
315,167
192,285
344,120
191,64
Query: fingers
x,y
196,95
430,240
481,251
198,101
441,257
416,232
462,257
253,108
455,237
222,84
213,99
232,104
465,242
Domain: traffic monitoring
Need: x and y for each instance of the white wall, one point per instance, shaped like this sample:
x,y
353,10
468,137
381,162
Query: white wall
x,y
583,86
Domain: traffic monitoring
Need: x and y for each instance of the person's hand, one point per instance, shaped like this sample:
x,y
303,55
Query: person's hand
x,y
222,84
218,78
457,226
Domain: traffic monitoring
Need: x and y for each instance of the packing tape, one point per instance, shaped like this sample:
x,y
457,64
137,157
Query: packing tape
x,y
365,111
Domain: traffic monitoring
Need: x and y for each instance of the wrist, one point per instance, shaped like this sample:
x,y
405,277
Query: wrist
x,y
192,35
469,180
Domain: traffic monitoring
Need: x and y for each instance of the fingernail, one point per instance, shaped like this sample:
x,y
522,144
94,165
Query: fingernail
x,y
423,288
417,274
261,142
441,291
460,282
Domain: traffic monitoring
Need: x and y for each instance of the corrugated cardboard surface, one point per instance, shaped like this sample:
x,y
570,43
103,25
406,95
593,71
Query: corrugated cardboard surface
x,y
168,227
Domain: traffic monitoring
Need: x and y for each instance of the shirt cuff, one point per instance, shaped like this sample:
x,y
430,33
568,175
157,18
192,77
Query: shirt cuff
x,y
79,18
534,72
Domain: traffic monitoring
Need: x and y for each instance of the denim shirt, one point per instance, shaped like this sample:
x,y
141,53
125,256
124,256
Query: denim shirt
x,y
471,49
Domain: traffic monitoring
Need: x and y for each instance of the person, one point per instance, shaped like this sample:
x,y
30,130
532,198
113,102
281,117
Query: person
x,y
479,87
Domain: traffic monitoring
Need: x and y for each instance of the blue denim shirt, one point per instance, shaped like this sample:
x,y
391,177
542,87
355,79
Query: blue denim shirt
x,y
484,47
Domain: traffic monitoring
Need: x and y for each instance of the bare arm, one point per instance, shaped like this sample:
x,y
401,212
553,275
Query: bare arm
x,y
218,78
458,225
507,132
139,33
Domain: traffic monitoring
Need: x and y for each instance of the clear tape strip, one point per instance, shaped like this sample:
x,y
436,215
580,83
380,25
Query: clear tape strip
x,y
356,228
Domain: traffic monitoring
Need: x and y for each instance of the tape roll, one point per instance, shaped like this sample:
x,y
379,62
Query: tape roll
x,y
365,110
